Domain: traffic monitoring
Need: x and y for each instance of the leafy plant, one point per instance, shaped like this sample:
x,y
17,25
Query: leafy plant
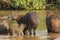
x,y
29,4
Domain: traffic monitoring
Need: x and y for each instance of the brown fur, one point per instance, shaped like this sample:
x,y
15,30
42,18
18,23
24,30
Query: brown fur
x,y
16,29
4,26
31,20
53,23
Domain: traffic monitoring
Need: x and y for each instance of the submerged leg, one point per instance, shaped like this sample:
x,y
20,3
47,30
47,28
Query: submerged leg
x,y
25,31
34,33
30,31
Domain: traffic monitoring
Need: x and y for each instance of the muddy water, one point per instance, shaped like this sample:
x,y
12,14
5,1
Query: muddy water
x,y
52,36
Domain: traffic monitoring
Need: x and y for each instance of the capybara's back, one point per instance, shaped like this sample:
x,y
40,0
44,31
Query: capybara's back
x,y
3,30
33,18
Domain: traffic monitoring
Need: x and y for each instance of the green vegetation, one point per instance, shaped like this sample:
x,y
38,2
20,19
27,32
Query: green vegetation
x,y
29,4
53,5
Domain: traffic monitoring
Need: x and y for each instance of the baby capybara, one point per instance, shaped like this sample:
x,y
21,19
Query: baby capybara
x,y
16,29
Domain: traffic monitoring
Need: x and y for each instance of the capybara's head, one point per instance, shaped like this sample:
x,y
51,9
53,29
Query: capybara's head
x,y
50,13
15,16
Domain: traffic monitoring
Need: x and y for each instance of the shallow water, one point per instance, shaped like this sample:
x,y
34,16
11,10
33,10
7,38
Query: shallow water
x,y
39,36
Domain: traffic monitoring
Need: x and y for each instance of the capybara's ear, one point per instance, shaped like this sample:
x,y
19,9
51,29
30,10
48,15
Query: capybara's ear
x,y
20,16
14,15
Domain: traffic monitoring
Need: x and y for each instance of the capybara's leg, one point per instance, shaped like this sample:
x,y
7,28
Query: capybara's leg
x,y
34,33
49,30
30,31
11,33
25,31
17,33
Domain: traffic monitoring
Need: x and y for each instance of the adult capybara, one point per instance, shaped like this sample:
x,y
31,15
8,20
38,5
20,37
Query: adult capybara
x,y
53,23
31,20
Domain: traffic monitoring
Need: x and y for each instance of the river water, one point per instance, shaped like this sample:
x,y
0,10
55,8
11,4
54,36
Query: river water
x,y
40,36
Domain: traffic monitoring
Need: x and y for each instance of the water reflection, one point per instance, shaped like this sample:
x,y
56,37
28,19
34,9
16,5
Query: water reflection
x,y
16,38
26,37
53,36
